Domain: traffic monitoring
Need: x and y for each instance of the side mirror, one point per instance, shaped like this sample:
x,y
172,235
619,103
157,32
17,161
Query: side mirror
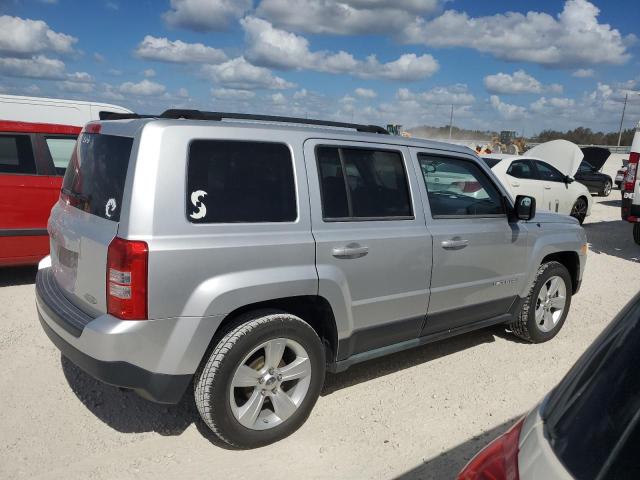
x,y
568,179
525,207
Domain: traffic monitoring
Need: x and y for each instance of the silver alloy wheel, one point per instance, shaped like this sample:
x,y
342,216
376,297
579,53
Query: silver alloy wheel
x,y
270,383
579,210
607,188
550,303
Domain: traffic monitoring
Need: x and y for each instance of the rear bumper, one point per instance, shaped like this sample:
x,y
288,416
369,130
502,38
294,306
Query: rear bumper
x,y
157,387
156,358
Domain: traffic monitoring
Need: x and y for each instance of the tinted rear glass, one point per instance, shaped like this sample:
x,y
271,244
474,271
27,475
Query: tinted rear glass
x,y
94,181
593,417
240,182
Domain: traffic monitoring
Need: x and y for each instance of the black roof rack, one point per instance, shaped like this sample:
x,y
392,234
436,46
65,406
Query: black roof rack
x,y
219,116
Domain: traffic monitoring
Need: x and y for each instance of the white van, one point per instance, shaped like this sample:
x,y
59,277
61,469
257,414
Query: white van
x,y
53,110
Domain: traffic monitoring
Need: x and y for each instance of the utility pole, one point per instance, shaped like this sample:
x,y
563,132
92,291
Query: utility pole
x,y
451,122
624,107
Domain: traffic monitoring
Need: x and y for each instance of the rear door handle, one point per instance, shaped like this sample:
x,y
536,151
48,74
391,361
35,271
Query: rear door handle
x,y
454,244
352,250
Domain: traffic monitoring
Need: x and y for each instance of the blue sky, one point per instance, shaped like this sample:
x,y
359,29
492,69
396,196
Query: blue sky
x,y
524,65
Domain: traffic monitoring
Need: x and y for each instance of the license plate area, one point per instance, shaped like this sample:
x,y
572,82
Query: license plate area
x,y
68,258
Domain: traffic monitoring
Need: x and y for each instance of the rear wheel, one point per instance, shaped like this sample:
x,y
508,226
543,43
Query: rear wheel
x,y
636,233
261,380
579,210
606,189
545,308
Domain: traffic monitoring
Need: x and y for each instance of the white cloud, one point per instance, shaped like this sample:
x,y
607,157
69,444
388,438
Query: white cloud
x,y
232,94
574,38
300,94
35,67
345,17
278,99
554,104
365,93
519,82
205,15
144,88
507,110
451,95
98,57
273,47
24,37
115,72
240,74
76,87
583,73
82,77
149,72
183,93
165,50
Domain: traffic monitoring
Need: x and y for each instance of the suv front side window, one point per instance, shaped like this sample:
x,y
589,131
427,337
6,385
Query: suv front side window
x,y
375,187
459,188
240,182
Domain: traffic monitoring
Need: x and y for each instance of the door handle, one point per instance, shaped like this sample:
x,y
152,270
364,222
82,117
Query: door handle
x,y
547,187
352,250
454,244
515,184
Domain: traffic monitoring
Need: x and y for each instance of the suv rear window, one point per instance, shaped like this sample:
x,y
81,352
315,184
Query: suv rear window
x,y
232,181
94,181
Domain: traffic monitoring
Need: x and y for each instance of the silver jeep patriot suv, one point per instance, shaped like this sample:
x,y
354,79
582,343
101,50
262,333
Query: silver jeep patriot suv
x,y
249,255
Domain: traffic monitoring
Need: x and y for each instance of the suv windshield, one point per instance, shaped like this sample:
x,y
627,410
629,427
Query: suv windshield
x,y
592,418
94,181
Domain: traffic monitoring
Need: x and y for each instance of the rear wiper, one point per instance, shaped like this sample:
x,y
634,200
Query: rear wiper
x,y
79,196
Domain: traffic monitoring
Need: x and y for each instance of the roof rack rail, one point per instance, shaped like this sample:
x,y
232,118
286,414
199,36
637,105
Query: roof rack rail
x,y
219,116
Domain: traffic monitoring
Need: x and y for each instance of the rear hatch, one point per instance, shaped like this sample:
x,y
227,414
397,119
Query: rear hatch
x,y
85,220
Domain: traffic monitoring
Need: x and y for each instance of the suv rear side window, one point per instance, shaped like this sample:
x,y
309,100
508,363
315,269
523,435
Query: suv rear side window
x,y
375,186
458,188
240,182
16,154
94,181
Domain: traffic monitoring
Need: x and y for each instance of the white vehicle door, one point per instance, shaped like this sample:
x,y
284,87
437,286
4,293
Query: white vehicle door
x,y
521,178
557,196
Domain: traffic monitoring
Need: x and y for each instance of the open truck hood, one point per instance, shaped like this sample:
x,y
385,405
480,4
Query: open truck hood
x,y
595,156
562,154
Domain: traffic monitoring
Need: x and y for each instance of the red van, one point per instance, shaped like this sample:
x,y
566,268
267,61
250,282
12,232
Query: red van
x,y
33,158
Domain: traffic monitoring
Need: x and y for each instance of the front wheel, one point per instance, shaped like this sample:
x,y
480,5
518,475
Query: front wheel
x,y
606,189
636,233
579,210
261,380
547,305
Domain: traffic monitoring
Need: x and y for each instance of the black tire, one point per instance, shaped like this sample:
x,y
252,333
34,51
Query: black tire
x,y
606,189
526,326
636,233
213,379
579,209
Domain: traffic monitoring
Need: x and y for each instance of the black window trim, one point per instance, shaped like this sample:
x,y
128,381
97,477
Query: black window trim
x,y
39,170
532,166
339,147
480,167
244,140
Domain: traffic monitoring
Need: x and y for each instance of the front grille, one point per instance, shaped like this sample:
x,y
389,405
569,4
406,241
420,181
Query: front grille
x,y
57,306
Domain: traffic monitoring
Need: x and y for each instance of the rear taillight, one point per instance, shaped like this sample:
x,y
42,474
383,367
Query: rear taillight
x,y
498,460
127,262
632,172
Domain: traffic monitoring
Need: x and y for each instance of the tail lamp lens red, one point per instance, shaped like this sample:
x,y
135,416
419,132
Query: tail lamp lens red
x,y
127,271
498,460
632,172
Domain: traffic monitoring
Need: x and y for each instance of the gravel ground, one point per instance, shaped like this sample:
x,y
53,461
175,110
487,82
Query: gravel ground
x,y
416,414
